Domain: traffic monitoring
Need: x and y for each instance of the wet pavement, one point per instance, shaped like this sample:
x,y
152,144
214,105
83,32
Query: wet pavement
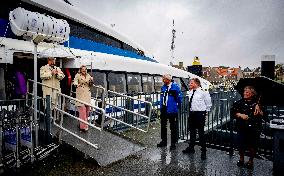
x,y
153,161
150,161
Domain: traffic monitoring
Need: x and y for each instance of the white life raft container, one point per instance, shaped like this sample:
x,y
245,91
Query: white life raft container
x,y
32,24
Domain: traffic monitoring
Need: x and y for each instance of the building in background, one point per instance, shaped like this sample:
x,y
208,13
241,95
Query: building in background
x,y
196,67
268,66
224,77
247,72
179,66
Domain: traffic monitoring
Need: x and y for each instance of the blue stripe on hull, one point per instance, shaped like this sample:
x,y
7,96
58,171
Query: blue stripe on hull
x,y
84,44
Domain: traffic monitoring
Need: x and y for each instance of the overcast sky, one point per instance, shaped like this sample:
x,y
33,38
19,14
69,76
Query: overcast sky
x,y
221,32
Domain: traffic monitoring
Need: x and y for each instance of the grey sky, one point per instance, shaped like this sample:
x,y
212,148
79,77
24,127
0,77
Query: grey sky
x,y
221,32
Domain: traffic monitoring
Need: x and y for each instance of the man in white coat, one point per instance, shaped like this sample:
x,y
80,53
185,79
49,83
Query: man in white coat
x,y
51,76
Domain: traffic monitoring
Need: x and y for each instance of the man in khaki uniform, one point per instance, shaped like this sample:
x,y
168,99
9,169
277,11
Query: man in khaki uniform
x,y
51,75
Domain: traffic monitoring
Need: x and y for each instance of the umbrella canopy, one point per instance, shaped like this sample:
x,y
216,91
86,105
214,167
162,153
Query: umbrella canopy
x,y
269,91
57,52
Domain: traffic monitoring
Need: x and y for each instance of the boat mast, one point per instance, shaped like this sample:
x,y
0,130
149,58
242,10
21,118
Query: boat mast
x,y
173,43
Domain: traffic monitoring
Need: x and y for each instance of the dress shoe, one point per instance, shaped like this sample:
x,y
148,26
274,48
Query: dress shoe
x,y
162,144
188,150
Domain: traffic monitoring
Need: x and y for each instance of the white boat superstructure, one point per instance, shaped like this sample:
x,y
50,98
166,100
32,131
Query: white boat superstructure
x,y
118,63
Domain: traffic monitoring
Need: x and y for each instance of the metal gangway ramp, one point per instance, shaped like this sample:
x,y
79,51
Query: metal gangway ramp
x,y
99,143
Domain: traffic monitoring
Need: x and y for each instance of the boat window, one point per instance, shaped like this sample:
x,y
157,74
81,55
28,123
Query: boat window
x,y
158,83
85,32
184,84
99,79
148,83
134,83
128,47
117,82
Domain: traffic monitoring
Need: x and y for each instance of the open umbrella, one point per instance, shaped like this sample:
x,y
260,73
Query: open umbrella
x,y
269,91
57,52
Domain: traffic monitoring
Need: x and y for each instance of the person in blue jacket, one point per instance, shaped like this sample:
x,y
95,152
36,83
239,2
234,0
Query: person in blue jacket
x,y
170,101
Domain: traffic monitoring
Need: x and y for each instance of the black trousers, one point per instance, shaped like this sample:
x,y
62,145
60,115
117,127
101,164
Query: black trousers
x,y
173,125
196,121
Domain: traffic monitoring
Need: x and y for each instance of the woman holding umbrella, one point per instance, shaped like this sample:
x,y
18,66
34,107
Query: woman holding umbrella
x,y
83,82
248,114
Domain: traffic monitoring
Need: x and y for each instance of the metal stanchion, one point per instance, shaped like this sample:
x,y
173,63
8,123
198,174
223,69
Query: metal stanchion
x,y
47,119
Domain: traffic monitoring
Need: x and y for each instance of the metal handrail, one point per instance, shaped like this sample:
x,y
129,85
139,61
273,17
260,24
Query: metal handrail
x,y
129,97
80,101
102,99
45,85
62,112
129,111
127,124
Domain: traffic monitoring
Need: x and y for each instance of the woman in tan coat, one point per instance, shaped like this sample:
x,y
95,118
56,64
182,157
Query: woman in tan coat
x,y
83,81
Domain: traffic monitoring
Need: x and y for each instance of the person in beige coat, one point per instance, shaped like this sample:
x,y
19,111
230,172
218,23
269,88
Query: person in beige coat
x,y
51,76
83,82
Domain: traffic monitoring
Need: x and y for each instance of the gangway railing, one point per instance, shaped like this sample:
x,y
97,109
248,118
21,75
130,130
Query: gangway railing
x,y
54,90
120,108
128,110
58,110
61,115
53,101
97,98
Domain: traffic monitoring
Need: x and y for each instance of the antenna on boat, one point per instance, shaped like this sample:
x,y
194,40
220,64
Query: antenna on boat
x,y
173,43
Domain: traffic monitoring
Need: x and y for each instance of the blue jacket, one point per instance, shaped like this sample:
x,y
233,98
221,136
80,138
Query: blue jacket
x,y
174,97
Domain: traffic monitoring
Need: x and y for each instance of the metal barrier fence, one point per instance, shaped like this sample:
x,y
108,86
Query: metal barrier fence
x,y
217,118
24,138
220,125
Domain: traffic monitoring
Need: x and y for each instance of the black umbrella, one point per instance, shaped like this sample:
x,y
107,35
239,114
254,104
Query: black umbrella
x,y
269,91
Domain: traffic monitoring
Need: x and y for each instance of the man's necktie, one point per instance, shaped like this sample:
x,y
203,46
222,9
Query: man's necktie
x,y
165,96
190,101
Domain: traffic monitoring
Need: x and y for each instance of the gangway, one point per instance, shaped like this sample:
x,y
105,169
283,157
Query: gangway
x,y
103,146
